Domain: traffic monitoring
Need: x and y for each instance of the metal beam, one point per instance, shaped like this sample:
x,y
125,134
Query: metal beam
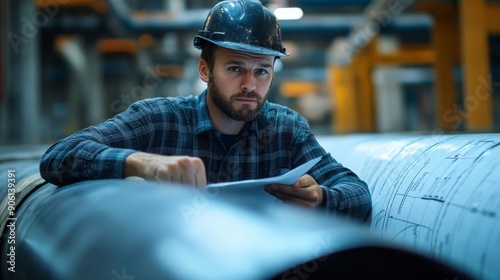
x,y
21,103
478,115
379,14
446,45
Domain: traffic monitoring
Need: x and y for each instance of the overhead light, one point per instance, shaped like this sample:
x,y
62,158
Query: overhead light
x,y
288,13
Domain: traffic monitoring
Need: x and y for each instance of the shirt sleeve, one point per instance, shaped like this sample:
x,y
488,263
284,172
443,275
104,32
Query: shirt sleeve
x,y
99,151
345,194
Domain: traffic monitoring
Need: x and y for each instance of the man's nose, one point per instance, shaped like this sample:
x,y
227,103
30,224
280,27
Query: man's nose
x,y
248,83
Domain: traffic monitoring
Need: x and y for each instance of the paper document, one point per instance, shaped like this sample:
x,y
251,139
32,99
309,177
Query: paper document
x,y
255,188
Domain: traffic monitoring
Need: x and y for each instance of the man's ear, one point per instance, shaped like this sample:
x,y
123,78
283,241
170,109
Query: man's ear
x,y
203,70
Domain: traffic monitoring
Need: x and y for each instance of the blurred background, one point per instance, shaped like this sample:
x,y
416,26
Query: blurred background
x,y
355,66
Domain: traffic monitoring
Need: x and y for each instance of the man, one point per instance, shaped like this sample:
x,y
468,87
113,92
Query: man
x,y
227,133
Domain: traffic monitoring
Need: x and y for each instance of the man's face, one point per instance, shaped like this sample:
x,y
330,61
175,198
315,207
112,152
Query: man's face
x,y
239,83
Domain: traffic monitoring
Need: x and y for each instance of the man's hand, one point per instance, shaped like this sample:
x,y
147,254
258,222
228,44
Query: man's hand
x,y
175,169
305,191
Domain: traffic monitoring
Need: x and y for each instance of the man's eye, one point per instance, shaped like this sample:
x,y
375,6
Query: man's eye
x,y
234,69
261,72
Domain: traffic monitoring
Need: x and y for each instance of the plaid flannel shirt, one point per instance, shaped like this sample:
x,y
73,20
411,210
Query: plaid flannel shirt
x,y
276,141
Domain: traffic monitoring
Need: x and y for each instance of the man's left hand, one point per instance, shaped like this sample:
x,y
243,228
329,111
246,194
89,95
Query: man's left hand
x,y
305,191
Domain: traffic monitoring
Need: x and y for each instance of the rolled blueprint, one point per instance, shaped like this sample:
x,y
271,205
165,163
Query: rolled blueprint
x,y
435,194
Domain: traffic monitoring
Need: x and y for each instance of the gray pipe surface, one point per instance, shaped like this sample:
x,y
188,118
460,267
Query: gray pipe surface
x,y
122,229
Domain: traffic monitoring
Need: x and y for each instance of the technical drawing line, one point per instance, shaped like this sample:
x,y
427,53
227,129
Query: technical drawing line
x,y
412,223
484,212
425,197
391,168
400,208
433,198
408,166
414,227
488,150
378,218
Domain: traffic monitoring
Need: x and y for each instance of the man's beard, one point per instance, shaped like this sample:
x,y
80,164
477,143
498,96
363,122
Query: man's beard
x,y
246,113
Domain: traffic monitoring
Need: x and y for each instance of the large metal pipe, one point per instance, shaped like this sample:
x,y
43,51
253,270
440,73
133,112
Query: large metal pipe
x,y
337,24
435,194
122,229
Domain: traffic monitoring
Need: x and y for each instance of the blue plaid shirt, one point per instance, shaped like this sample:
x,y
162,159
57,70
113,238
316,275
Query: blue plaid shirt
x,y
278,140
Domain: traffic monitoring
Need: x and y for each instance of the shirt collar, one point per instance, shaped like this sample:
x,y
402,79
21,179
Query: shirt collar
x,y
205,123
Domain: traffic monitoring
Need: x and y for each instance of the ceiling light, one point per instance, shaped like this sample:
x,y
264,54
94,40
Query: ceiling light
x,y
288,13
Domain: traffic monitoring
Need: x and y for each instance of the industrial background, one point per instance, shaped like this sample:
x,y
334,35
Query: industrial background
x,y
399,91
355,66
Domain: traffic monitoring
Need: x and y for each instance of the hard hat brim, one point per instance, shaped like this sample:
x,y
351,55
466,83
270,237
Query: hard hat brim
x,y
240,47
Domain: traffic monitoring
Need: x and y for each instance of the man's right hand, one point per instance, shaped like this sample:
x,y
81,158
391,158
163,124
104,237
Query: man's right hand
x,y
174,169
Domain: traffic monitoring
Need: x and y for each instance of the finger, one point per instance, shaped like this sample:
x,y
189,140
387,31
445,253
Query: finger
x,y
162,174
301,193
175,174
311,196
199,175
200,178
304,181
186,171
193,178
194,171
294,200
